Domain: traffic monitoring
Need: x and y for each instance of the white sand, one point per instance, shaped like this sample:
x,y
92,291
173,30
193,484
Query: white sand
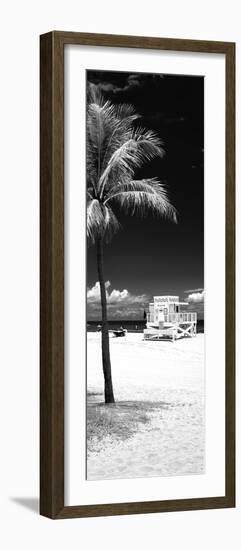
x,y
171,374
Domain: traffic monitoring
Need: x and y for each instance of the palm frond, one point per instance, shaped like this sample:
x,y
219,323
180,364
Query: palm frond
x,y
101,221
150,185
132,154
115,151
106,132
150,137
149,143
126,110
144,196
96,135
94,220
94,94
121,133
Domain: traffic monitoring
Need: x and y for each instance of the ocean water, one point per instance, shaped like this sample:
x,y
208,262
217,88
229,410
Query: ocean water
x,y
132,326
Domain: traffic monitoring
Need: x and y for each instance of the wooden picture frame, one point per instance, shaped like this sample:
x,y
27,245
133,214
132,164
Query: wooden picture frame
x,y
52,274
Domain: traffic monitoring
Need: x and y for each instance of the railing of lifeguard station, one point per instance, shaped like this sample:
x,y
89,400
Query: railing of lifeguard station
x,y
184,317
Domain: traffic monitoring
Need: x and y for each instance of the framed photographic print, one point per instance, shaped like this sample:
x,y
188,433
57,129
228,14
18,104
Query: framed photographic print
x,y
137,275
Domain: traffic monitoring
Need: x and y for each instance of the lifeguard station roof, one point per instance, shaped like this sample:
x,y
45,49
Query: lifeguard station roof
x,y
166,298
169,299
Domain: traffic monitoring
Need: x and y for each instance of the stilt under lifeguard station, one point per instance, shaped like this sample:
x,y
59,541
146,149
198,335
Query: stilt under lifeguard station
x,y
166,319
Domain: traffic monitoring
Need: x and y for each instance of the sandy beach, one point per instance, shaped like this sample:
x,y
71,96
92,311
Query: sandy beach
x,y
166,381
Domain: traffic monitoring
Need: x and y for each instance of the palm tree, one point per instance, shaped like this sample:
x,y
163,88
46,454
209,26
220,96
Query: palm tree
x,y
115,150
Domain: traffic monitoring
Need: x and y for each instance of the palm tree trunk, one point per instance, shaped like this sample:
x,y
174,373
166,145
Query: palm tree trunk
x,y
109,394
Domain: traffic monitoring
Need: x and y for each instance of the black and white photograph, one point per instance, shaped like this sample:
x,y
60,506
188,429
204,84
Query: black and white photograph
x,y
118,268
145,275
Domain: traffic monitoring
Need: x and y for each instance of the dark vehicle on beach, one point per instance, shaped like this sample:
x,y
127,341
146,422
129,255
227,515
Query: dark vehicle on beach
x,y
119,332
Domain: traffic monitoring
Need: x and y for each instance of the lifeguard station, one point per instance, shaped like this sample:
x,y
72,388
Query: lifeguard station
x,y
166,319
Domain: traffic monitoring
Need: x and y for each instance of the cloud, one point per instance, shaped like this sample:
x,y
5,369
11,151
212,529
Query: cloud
x,y
114,296
196,297
131,83
193,290
195,301
93,294
121,303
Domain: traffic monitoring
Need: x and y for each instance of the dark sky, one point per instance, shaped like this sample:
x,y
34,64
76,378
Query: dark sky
x,y
150,256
